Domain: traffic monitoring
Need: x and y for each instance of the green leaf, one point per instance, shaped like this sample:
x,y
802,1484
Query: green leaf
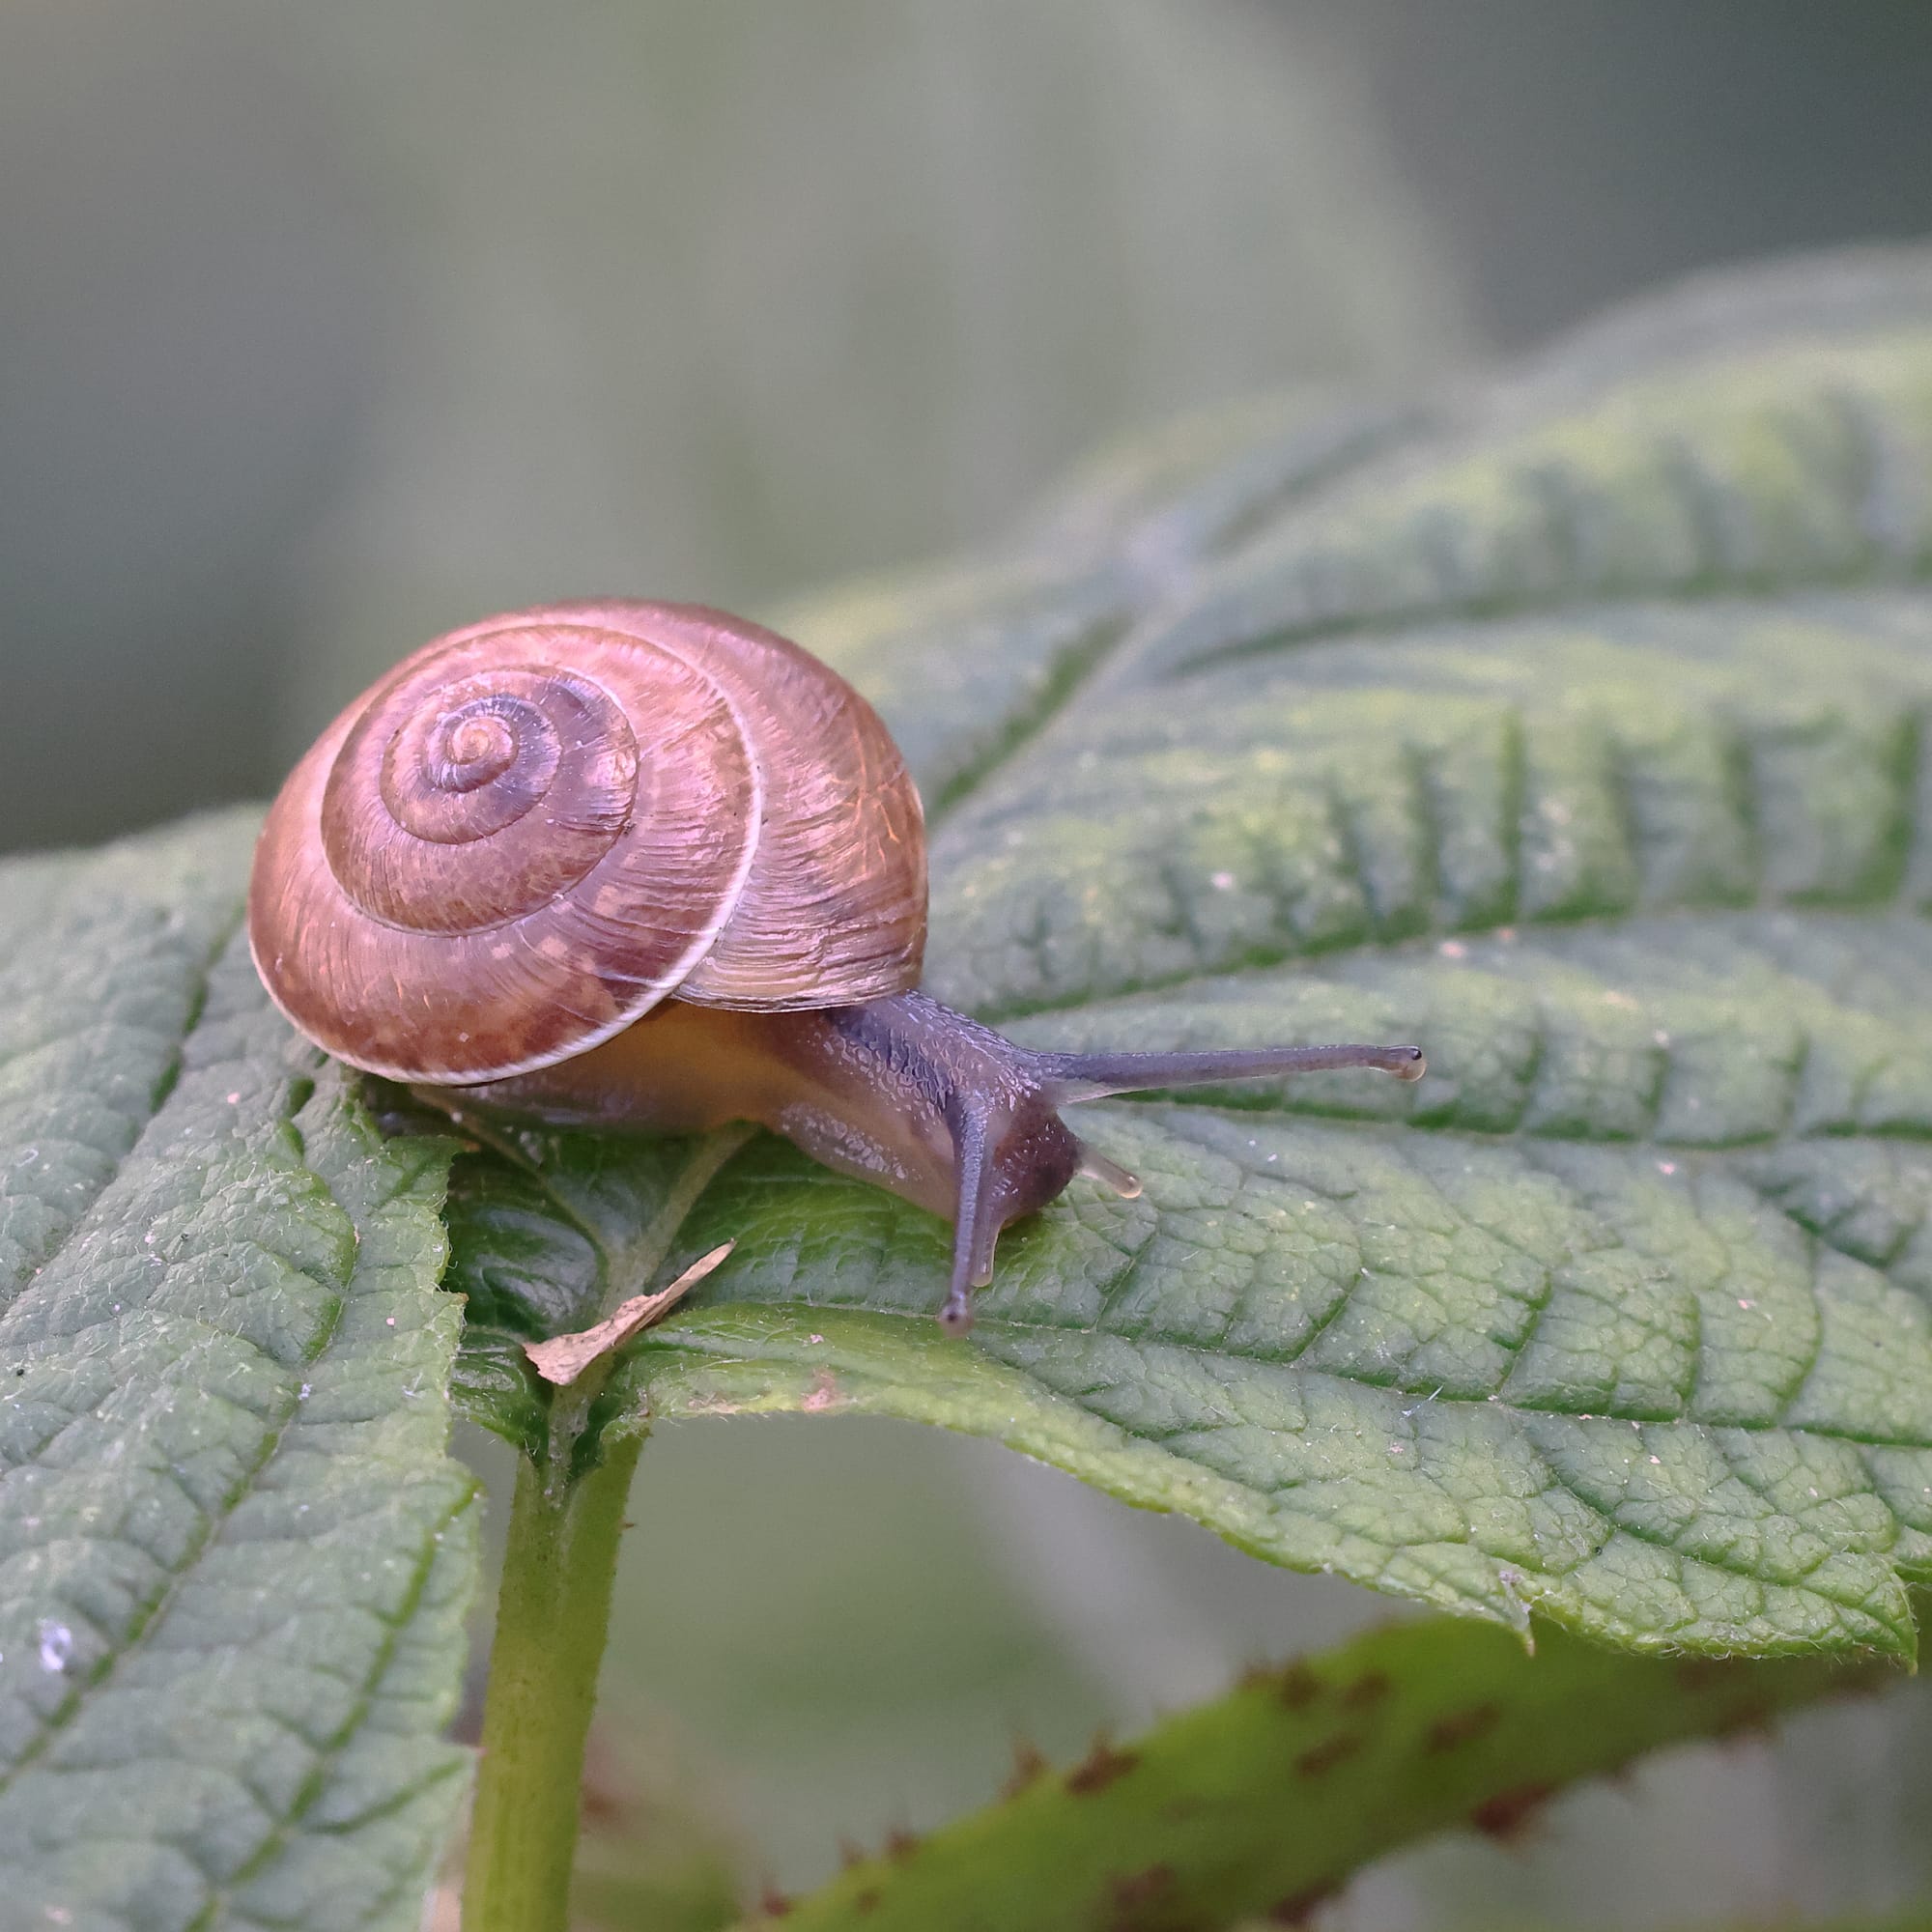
x,y
1267,1801
1573,728
234,1556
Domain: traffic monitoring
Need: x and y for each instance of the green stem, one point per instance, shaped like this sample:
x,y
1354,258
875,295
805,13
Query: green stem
x,y
551,1615
1269,1800
553,1611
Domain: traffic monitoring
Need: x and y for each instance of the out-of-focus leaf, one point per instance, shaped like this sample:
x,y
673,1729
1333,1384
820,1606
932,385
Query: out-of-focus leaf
x,y
235,1557
1269,1800
1572,728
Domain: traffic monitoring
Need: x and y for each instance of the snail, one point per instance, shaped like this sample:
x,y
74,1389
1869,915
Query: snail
x,y
646,865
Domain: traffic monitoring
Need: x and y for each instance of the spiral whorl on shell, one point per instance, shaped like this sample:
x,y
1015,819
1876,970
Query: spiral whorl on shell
x,y
534,830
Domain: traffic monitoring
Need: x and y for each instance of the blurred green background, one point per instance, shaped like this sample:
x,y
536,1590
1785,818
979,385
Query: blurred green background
x,y
325,329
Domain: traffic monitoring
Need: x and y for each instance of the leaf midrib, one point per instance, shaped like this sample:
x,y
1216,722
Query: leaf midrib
x,y
689,1335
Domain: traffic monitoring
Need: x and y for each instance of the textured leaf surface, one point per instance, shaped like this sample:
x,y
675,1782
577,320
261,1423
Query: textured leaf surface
x,y
1572,727
234,1557
1267,1802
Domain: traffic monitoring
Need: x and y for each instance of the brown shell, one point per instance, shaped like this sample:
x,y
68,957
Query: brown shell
x,y
534,830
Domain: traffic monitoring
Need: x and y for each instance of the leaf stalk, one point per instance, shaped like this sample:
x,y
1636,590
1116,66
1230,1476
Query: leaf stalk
x,y
552,1613
554,1610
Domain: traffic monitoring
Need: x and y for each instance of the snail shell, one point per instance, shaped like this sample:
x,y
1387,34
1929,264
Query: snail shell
x,y
534,830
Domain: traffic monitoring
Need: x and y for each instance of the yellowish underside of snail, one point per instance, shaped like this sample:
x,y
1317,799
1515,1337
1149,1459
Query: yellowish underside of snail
x,y
491,875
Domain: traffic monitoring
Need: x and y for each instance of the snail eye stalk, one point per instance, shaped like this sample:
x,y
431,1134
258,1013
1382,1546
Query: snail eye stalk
x,y
1068,1078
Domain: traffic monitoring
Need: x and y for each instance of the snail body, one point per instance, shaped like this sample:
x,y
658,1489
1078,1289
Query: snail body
x,y
647,866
